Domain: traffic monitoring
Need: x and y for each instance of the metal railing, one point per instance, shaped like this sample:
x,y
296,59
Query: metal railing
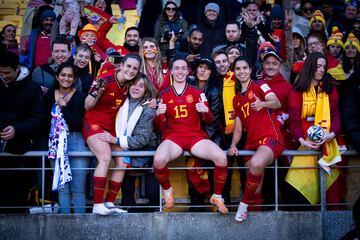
x,y
276,205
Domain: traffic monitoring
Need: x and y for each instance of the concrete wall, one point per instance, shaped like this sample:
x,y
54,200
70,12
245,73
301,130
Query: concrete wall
x,y
264,225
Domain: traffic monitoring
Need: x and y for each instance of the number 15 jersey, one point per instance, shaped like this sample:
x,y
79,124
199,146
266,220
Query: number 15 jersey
x,y
258,124
181,117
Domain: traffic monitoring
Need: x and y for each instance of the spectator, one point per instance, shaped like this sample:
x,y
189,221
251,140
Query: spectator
x,y
104,100
153,65
232,53
182,107
335,44
149,15
137,134
313,88
7,38
351,119
213,29
38,48
351,56
65,105
45,74
252,103
303,22
299,44
169,21
225,81
350,12
132,40
317,25
22,110
204,78
82,59
281,87
189,49
355,232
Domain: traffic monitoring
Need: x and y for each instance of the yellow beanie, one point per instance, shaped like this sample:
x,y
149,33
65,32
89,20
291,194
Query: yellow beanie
x,y
352,40
317,16
336,37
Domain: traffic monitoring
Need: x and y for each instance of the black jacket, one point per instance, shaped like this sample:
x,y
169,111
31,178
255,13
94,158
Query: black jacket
x,y
351,112
21,106
213,96
214,35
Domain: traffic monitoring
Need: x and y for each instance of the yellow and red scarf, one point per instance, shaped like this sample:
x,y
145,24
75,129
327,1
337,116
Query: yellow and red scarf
x,y
227,95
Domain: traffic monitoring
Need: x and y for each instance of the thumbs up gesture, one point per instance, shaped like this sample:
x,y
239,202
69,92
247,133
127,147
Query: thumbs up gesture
x,y
257,105
201,107
161,109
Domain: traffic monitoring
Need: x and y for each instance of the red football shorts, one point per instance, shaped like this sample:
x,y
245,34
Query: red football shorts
x,y
186,143
92,128
271,143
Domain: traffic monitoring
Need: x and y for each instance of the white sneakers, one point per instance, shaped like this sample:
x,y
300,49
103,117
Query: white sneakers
x,y
106,209
113,208
101,209
241,213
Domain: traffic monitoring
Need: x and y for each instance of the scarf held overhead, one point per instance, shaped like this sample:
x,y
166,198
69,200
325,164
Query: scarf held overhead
x,y
306,181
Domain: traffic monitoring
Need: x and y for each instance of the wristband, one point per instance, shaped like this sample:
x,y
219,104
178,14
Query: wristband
x,y
118,141
93,95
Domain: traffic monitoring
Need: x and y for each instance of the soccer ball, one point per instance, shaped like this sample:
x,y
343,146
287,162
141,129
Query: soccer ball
x,y
315,133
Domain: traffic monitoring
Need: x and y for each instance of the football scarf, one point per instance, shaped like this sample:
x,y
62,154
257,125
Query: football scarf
x,y
227,95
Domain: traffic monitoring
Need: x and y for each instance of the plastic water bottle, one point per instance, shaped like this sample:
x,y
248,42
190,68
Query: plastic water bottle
x,y
122,21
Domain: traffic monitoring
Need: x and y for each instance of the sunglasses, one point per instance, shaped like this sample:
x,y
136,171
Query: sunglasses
x,y
307,9
170,9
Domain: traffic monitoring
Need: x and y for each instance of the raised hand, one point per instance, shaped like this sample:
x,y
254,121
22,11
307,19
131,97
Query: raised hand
x,y
288,20
201,107
161,108
274,37
257,105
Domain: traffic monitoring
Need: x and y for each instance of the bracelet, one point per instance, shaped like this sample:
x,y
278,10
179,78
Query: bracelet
x,y
118,141
93,95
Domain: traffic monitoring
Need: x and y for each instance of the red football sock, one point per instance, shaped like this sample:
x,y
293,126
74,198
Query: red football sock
x,y
113,190
162,176
252,183
220,174
256,200
99,189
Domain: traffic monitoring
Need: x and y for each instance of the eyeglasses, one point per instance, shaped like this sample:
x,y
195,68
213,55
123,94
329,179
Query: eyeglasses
x,y
307,9
170,9
313,44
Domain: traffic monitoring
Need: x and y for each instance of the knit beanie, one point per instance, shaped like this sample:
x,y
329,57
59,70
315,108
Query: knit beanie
x,y
212,6
336,37
47,13
352,40
317,16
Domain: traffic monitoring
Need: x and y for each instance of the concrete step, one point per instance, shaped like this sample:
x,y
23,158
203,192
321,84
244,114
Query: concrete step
x,y
259,225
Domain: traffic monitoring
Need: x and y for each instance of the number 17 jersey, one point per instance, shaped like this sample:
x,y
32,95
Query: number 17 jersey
x,y
258,124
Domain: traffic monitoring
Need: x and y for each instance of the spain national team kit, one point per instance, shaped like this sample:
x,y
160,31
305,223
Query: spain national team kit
x,y
102,117
261,126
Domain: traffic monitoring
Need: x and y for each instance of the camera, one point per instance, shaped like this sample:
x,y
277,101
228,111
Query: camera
x,y
167,35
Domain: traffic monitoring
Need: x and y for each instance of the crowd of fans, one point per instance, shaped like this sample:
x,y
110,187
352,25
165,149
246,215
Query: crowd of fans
x,y
235,75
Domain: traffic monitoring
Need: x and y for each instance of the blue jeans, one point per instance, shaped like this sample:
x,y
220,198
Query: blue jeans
x,y
75,188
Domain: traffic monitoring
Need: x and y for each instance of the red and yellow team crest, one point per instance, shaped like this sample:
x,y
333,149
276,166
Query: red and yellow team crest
x,y
250,95
95,127
189,99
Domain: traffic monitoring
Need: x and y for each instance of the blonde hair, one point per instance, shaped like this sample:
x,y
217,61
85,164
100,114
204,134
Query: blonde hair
x,y
158,60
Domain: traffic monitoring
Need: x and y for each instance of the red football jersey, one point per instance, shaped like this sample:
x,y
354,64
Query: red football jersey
x,y
108,104
181,117
258,124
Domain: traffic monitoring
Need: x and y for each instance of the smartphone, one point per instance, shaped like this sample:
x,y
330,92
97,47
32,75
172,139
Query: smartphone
x,y
100,83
